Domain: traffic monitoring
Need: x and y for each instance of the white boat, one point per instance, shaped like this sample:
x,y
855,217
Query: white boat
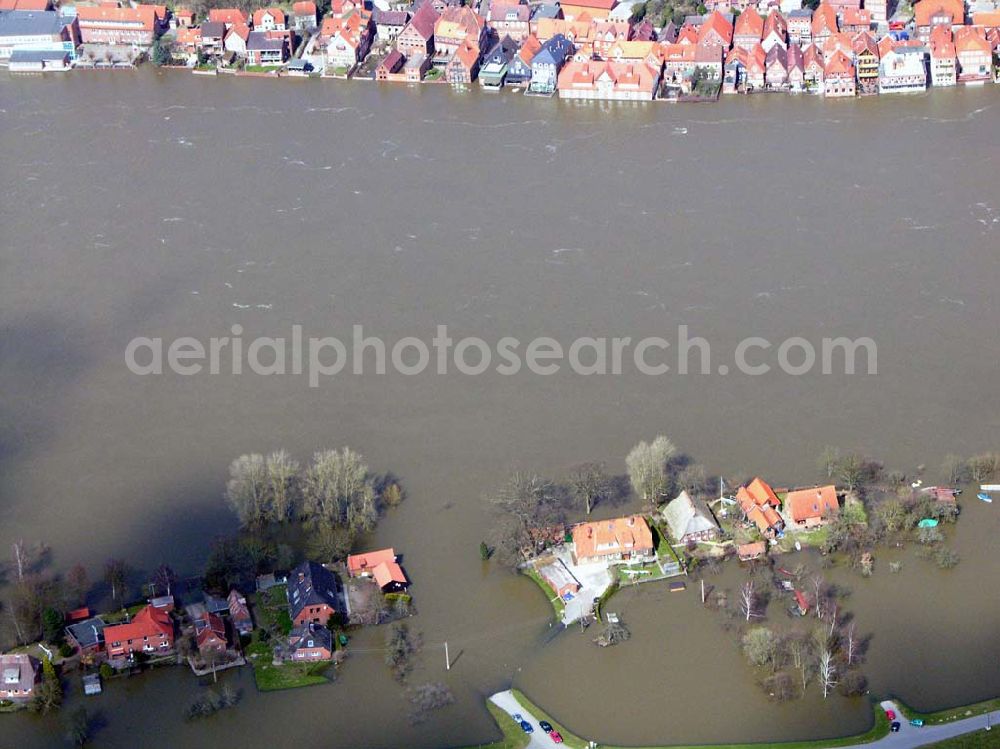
x,y
989,487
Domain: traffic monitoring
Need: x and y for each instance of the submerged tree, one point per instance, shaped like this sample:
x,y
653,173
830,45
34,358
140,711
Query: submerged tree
x,y
338,490
648,468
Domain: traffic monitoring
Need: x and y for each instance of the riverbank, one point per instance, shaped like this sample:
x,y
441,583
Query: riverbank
x,y
533,713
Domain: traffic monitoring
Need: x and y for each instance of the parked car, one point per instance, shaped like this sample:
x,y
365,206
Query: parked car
x,y
527,727
518,718
545,726
890,714
894,727
556,737
918,722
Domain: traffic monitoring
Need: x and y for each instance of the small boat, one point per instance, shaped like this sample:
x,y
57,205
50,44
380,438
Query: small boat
x,y
928,523
985,497
798,546
677,587
989,487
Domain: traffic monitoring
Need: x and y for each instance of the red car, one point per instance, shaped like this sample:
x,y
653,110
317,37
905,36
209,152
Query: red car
x,y
890,714
556,737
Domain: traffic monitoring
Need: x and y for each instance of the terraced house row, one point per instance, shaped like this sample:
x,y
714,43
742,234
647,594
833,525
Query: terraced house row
x,y
579,49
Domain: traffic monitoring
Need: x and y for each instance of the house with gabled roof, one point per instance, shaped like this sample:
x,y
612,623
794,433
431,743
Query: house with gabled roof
x,y
545,65
269,19
775,31
389,24
930,13
210,634
866,60
824,23
418,35
856,20
975,55
304,15
519,70
351,42
759,505
509,19
151,630
944,58
796,68
626,538
689,519
110,24
229,17
903,70
310,643
267,48
812,64
18,676
236,39
86,636
776,68
816,505
463,67
608,80
839,76
458,24
596,9
717,30
748,29
313,594
800,26
494,65
239,612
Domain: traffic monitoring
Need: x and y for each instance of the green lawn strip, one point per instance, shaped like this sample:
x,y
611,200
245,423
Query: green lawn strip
x,y
977,740
570,739
513,736
876,732
952,714
287,676
556,601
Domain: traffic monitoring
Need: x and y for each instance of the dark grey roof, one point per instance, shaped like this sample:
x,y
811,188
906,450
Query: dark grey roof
x,y
260,40
88,633
37,55
215,604
546,10
30,23
311,584
310,636
213,29
299,64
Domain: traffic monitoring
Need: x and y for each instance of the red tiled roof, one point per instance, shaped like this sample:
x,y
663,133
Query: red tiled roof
x,y
147,621
147,15
925,10
608,537
360,563
304,8
750,24
228,16
390,572
276,13
819,501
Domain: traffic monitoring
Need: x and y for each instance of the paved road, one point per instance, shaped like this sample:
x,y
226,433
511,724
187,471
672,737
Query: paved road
x,y
509,704
910,736
907,737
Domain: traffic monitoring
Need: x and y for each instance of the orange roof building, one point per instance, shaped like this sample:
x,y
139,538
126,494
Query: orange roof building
x,y
599,9
113,25
229,16
824,22
759,504
715,31
380,565
612,540
608,80
749,29
816,505
927,13
151,630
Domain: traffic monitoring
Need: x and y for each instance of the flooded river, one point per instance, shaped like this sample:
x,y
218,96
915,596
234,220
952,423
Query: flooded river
x,y
138,204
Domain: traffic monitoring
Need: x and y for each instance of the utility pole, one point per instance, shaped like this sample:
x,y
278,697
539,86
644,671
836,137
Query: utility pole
x,y
447,660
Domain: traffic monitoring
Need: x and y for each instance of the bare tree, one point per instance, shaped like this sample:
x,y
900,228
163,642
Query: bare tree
x,y
589,484
529,504
79,582
20,556
283,485
748,599
817,583
338,490
827,671
116,573
246,491
647,465
164,577
850,643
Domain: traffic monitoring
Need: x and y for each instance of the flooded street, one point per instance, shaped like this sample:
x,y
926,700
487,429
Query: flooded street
x,y
138,204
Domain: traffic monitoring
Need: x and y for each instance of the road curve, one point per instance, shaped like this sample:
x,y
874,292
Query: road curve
x,y
907,737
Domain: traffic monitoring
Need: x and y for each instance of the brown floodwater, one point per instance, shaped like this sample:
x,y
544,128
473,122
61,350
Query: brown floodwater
x,y
144,204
